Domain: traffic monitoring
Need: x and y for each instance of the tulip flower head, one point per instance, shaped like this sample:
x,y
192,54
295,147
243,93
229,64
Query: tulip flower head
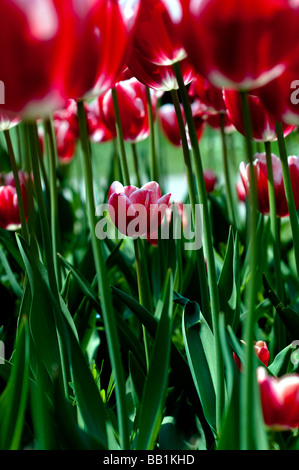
x,y
260,169
279,399
262,122
132,102
261,351
9,207
137,212
237,45
167,119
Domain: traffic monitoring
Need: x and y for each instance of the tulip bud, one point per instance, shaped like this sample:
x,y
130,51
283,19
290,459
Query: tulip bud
x,y
261,351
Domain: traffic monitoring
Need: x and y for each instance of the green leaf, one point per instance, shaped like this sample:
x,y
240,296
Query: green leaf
x,y
196,333
13,401
289,316
229,283
154,395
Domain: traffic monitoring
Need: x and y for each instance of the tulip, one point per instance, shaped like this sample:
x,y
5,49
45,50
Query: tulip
x,y
169,124
158,77
102,41
210,180
280,97
137,212
237,46
279,400
261,351
260,169
155,36
66,129
156,46
132,102
262,123
97,129
9,208
49,42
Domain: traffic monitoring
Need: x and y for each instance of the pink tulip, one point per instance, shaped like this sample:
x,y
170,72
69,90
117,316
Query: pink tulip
x,y
137,212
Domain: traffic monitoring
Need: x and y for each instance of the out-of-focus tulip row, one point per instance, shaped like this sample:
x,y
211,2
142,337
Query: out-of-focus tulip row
x,y
58,54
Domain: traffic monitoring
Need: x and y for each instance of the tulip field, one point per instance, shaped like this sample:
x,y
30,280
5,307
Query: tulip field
x,y
149,230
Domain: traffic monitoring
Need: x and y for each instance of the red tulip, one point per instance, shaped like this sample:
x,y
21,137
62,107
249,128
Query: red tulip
x,y
97,129
156,46
261,351
137,212
169,124
99,46
212,97
155,36
237,45
260,169
66,128
56,50
210,180
9,207
279,399
158,77
133,110
262,123
280,97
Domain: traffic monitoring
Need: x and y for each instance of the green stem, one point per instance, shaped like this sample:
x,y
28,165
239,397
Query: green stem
x,y
275,232
46,234
53,195
121,142
17,184
249,376
103,287
144,291
228,186
136,165
274,223
193,200
207,243
154,165
289,191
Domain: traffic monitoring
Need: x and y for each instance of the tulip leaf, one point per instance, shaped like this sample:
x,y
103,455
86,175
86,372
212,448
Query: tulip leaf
x,y
289,316
229,282
199,347
154,394
13,401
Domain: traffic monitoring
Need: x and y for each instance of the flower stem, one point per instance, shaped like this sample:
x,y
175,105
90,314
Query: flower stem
x,y
288,191
207,243
103,287
17,184
193,199
249,376
230,199
274,223
121,142
53,195
275,232
46,234
154,165
136,164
